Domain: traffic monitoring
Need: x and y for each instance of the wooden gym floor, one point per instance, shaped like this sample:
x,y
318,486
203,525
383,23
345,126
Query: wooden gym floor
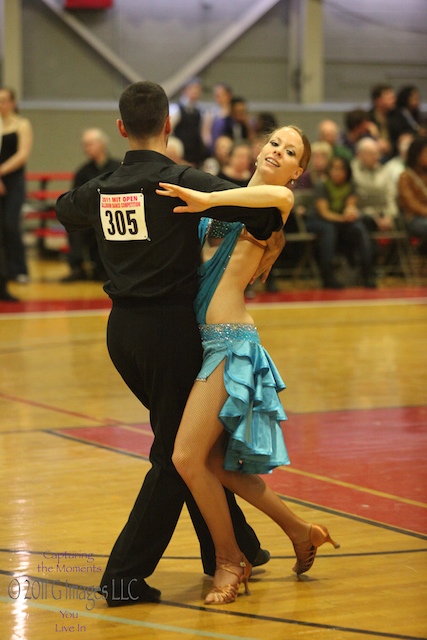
x,y
74,447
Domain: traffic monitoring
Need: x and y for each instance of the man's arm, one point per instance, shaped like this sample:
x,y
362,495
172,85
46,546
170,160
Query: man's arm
x,y
71,207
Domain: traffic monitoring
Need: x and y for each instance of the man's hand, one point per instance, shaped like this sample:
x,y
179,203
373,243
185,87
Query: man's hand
x,y
275,244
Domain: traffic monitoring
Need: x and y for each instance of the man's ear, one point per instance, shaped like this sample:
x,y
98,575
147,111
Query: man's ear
x,y
168,126
121,128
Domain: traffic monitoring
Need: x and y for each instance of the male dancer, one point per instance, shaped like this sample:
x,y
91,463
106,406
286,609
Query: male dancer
x,y
151,256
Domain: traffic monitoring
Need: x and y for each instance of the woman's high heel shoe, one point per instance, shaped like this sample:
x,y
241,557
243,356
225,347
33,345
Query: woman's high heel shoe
x,y
306,551
228,593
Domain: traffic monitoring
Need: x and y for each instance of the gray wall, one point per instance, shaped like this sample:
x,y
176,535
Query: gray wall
x,y
67,86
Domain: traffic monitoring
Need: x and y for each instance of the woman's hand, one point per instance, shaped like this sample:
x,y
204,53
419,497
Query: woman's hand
x,y
196,200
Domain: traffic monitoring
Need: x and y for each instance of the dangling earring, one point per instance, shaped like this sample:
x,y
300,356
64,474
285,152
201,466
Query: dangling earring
x,y
292,181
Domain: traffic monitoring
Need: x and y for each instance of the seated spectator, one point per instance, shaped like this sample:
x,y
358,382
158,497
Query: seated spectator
x,y
329,131
175,150
357,126
321,154
394,167
239,167
215,163
238,126
406,118
186,119
412,190
336,221
83,258
383,99
264,123
375,196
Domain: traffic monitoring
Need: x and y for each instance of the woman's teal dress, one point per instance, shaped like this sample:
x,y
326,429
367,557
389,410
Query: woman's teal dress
x,y
252,412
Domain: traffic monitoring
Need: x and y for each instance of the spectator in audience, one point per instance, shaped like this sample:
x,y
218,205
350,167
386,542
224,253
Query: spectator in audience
x,y
383,99
321,154
329,131
406,118
264,123
83,257
16,146
186,119
375,195
394,167
239,168
238,126
5,295
215,163
336,221
412,189
215,120
357,126
175,150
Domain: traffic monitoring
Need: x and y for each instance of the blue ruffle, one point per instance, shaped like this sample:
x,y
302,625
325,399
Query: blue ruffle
x,y
252,412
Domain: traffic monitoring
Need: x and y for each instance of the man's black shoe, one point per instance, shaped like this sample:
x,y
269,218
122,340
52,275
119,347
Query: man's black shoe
x,y
5,296
263,556
121,592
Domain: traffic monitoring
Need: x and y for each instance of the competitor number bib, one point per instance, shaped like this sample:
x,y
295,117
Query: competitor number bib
x,y
123,216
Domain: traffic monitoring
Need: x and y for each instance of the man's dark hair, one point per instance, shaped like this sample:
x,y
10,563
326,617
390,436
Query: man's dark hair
x,y
237,100
355,118
378,90
144,107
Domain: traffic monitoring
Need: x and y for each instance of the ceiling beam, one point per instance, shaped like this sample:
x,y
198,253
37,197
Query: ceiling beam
x,y
90,39
217,46
194,66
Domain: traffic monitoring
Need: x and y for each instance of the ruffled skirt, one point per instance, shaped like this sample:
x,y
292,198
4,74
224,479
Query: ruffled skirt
x,y
252,412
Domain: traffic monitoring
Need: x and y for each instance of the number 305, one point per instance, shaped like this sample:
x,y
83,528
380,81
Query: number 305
x,y
121,222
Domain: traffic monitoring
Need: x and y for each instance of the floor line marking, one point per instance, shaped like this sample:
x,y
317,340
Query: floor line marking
x,y
349,485
213,610
42,405
134,623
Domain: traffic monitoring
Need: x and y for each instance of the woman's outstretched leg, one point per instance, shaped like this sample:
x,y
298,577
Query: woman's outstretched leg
x,y
199,433
305,537
199,456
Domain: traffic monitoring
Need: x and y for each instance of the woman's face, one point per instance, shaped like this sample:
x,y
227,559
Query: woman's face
x,y
414,100
337,172
241,158
7,104
222,95
279,160
422,161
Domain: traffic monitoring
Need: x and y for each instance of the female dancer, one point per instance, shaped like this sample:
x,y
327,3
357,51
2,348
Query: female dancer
x,y
238,381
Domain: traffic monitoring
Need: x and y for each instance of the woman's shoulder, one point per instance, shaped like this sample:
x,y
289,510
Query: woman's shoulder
x,y
24,124
18,125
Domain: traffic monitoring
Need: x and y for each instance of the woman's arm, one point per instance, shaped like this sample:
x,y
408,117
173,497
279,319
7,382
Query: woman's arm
x,y
256,197
410,202
322,206
349,214
25,143
275,245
